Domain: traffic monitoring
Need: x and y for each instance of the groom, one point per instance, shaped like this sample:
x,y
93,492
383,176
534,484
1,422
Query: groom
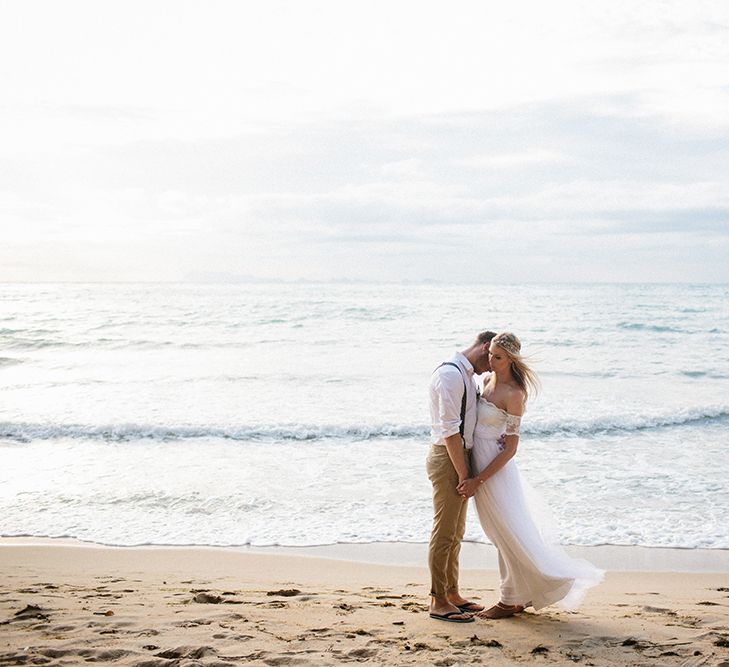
x,y
453,396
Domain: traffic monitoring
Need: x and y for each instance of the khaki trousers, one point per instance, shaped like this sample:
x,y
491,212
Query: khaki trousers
x,y
449,521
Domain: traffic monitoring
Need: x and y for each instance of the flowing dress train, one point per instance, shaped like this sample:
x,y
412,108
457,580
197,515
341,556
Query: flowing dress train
x,y
533,571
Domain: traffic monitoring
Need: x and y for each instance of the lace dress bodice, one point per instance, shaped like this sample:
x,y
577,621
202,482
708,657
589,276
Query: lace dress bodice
x,y
493,422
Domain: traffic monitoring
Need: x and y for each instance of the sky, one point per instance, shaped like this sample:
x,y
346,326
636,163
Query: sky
x,y
366,141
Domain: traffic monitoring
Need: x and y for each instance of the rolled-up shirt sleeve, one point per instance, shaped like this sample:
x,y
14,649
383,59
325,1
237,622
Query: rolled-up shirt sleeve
x,y
446,395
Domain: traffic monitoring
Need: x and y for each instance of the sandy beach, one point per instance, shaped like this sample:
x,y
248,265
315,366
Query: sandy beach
x,y
68,603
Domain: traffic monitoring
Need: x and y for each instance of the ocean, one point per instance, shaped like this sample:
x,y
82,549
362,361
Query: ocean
x,y
297,414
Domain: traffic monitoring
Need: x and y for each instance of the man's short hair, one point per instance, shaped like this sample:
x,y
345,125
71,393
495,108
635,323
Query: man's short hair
x,y
484,337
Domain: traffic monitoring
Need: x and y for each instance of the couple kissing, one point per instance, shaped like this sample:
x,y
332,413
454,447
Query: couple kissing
x,y
474,439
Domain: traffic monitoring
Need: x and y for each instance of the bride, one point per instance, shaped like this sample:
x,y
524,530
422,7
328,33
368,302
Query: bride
x,y
533,572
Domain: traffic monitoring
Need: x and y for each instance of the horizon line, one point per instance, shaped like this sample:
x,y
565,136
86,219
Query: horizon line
x,y
346,281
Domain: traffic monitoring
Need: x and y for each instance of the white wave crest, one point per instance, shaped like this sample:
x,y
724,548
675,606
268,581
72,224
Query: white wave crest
x,y
28,432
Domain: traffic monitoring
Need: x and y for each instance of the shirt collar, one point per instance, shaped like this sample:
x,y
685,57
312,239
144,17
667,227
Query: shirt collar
x,y
467,366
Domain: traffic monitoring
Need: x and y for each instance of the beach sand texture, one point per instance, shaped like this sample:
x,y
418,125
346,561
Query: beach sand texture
x,y
67,605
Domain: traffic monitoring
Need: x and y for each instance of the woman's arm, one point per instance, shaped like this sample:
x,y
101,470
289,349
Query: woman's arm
x,y
515,408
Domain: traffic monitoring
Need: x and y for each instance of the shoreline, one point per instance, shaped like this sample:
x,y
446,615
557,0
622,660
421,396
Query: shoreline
x,y
474,556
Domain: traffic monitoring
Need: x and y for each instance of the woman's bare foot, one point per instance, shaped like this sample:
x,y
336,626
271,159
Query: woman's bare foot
x,y
501,610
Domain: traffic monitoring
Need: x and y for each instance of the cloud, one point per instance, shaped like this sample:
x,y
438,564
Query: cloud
x,y
303,141
513,160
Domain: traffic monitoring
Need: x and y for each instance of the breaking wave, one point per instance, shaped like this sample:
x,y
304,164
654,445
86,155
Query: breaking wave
x,y
28,432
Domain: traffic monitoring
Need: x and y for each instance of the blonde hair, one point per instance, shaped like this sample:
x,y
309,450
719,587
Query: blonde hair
x,y
525,377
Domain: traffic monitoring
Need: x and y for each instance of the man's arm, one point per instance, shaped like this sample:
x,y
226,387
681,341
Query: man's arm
x,y
454,445
449,390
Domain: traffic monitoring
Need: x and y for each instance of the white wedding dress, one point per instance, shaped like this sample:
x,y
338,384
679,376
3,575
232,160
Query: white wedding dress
x,y
533,570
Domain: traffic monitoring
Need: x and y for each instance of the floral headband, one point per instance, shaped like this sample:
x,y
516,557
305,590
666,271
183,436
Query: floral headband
x,y
508,342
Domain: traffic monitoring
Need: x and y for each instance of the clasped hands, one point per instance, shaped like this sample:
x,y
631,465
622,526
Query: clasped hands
x,y
467,487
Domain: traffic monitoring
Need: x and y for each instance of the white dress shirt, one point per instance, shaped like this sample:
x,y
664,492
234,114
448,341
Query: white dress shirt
x,y
446,394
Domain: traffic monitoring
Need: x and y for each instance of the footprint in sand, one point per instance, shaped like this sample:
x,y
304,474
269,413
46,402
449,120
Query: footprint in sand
x,y
88,654
285,592
193,623
660,610
274,604
385,642
28,613
62,628
148,633
191,652
475,640
283,660
362,653
345,608
108,655
206,598
245,659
